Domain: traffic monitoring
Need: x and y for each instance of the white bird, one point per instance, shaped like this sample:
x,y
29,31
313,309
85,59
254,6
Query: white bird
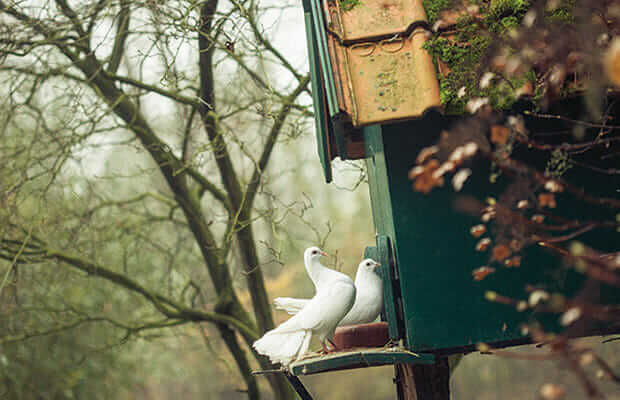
x,y
334,298
312,263
368,297
318,273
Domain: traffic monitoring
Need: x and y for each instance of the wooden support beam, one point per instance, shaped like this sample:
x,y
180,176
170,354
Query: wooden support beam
x,y
423,382
298,386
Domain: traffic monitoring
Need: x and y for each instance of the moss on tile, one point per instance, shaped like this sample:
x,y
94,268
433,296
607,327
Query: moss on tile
x,y
465,51
348,5
435,7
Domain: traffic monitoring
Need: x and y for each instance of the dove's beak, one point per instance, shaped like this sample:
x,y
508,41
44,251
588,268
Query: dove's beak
x,y
377,265
324,254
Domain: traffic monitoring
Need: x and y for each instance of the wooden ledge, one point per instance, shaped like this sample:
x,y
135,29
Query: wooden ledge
x,y
358,358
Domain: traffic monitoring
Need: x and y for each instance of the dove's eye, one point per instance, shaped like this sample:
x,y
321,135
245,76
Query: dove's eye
x,y
368,264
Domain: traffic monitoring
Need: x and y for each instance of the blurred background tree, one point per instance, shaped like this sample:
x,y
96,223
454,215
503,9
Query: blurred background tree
x,y
117,222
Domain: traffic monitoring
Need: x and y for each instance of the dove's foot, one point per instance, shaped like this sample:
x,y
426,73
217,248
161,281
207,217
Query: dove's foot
x,y
335,348
325,348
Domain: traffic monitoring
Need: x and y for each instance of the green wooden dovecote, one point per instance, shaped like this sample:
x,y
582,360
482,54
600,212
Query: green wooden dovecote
x,y
432,305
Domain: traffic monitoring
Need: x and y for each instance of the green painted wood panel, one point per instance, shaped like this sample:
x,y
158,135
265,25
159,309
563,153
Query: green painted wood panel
x,y
444,308
359,358
318,95
383,219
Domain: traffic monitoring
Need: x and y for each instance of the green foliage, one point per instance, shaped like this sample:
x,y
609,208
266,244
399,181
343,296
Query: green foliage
x,y
563,13
348,5
504,15
466,54
434,7
462,57
500,9
558,164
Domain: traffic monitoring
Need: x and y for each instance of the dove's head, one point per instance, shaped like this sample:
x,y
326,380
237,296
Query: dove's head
x,y
368,265
313,253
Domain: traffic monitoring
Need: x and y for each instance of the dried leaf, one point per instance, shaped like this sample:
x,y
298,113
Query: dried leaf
x,y
437,25
482,272
551,391
456,155
525,330
486,217
513,262
515,245
442,67
553,186
486,79
501,252
416,171
448,166
517,124
473,10
426,153
586,359
483,244
522,204
526,90
499,134
425,182
600,374
571,315
529,18
477,230
483,347
547,200
577,248
488,213
462,92
611,62
476,104
537,296
490,295
458,180
470,149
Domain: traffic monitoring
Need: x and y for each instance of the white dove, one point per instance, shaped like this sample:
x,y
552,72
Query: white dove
x,y
318,273
333,300
368,297
312,263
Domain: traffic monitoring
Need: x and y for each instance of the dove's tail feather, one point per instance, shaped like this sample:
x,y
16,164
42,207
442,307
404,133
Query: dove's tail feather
x,y
282,347
289,304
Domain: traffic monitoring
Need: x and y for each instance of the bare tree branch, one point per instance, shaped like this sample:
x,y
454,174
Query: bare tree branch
x,y
122,32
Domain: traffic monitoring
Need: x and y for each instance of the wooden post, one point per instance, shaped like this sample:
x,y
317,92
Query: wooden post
x,y
423,382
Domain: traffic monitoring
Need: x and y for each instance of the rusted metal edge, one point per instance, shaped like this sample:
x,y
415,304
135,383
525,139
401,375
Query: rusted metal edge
x,y
377,38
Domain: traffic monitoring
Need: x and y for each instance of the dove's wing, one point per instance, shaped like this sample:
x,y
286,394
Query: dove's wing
x,y
323,313
320,316
328,305
368,298
290,304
